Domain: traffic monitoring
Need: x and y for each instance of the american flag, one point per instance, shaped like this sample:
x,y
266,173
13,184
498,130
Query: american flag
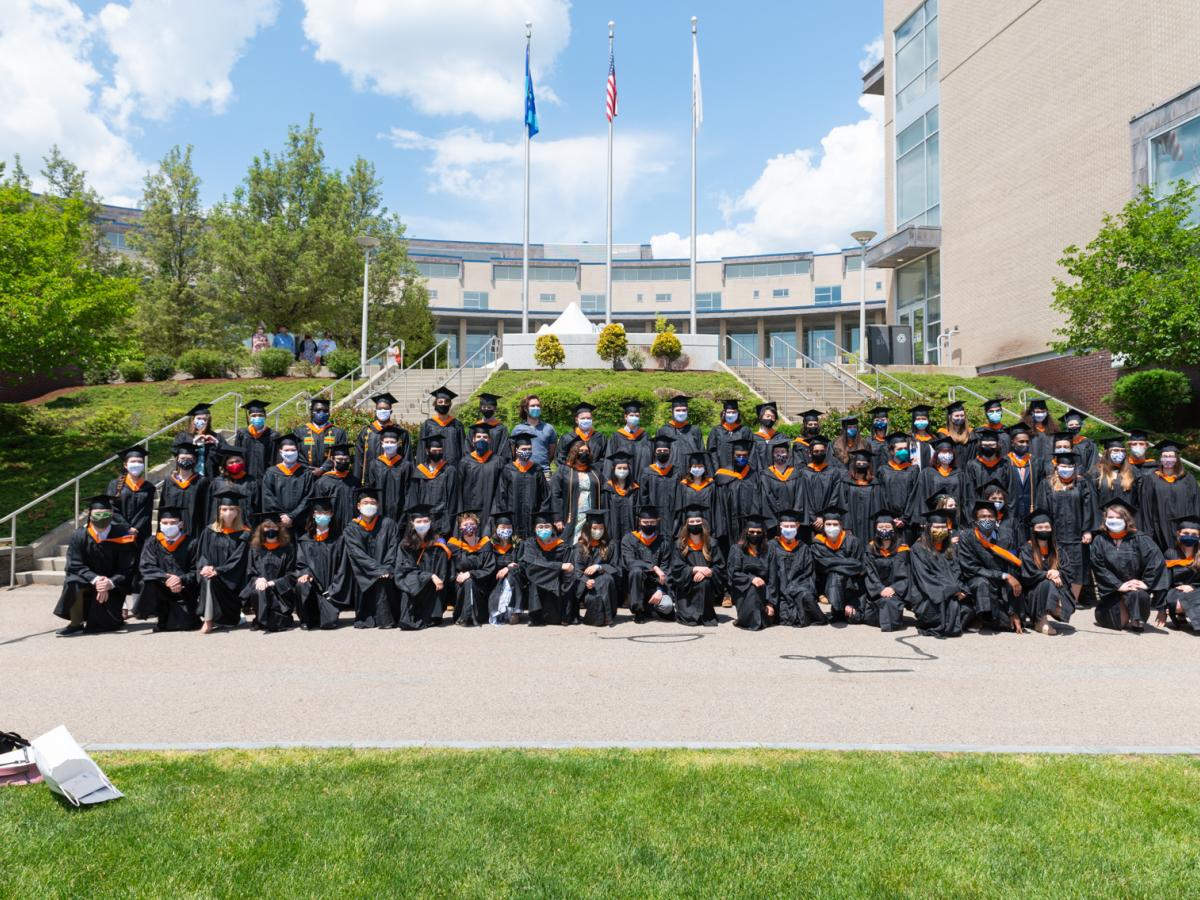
x,y
610,90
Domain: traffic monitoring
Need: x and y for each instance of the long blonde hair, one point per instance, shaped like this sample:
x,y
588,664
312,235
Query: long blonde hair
x,y
1106,473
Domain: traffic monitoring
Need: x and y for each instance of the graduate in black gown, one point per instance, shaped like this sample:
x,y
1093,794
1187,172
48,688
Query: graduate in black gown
x,y
958,432
445,426
848,441
810,428
170,592
186,490
695,488
877,437
101,567
584,432
433,482
993,411
659,480
133,505
1182,601
738,495
423,571
936,589
221,558
230,475
521,489
201,435
987,463
791,581
389,473
1165,494
257,440
1138,444
765,436
323,576
1024,477
746,571
548,573
686,434
697,569
1068,499
366,444
597,573
630,438
922,435
838,564
498,438
885,574
861,497
370,542
506,604
1042,428
1012,534
1129,571
779,482
473,566
1073,421
620,495
479,474
941,476
574,489
897,477
318,435
991,570
288,486
270,573
1045,582
820,480
645,556
336,484
1112,478
721,437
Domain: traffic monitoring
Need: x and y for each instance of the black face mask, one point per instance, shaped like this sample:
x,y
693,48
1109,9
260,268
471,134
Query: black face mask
x,y
435,457
186,463
648,530
1043,536
988,451
695,529
270,533
767,423
811,428
341,464
818,456
885,535
442,408
755,538
584,457
486,413
662,456
862,466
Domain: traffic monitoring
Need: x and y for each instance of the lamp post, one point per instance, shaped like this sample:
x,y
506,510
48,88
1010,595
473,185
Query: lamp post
x,y
862,238
368,244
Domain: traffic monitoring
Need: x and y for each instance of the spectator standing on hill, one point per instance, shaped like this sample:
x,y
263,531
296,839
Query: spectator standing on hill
x,y
308,350
284,341
325,346
260,340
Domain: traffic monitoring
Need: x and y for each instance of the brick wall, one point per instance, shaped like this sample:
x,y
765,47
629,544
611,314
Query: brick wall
x,y
1083,381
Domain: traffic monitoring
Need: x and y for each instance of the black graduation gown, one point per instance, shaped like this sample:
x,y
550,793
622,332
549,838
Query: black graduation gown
x,y
779,490
696,601
204,455
366,447
471,597
135,505
931,481
521,490
338,489
1160,502
1086,448
1183,573
596,441
115,557
272,607
478,478
791,584
737,496
660,488
720,444
760,448
159,560
688,440
983,569
1040,596
1041,444
438,488
390,478
636,444
246,486
979,473
321,600
288,491
702,493
260,451
935,580
564,497
620,509
962,452
745,564
839,573
638,558
1137,557
454,439
1103,495
884,569
879,451
819,489
861,502
897,484
422,603
315,442
922,448
551,591
998,431
227,553
498,439
1072,513
191,497
600,600
369,554
499,606
801,453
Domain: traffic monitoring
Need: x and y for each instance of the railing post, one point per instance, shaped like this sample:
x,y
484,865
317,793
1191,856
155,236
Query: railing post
x,y
76,520
12,557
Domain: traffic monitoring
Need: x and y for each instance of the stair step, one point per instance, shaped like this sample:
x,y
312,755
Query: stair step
x,y
39,577
51,564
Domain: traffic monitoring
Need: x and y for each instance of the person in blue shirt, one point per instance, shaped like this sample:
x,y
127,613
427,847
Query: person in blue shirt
x,y
283,340
542,434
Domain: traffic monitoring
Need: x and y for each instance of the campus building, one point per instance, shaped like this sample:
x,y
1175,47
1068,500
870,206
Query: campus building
x,y
1011,130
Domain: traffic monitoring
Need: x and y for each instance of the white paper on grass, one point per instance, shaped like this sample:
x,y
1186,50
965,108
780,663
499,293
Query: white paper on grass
x,y
69,771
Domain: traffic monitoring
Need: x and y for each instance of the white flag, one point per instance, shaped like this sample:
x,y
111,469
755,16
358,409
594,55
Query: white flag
x,y
697,100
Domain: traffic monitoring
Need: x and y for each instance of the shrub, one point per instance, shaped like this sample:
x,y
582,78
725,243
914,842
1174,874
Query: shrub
x,y
342,362
105,420
306,369
666,349
610,412
239,358
612,346
548,351
132,370
273,362
203,363
1152,398
160,367
99,373
636,359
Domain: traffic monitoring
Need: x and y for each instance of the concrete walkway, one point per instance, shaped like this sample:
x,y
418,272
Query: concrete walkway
x,y
629,685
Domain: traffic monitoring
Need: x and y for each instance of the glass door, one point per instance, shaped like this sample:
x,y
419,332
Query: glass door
x,y
820,343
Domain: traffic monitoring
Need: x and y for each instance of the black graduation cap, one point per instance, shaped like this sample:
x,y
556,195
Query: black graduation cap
x,y
990,436
544,516
443,393
99,501
486,397
481,428
864,455
896,437
818,439
679,400
1062,436
991,487
811,414
198,409
698,456
789,515
943,441
696,509
289,439
1167,445
781,440
583,408
740,444
595,516
1113,442
504,517
833,511
131,451
763,407
255,406
521,439
664,439
318,401
1123,504
1188,521
385,397
920,410
385,431
1066,457
631,406
885,515
366,491
981,503
1037,403
849,420
184,447
753,520
265,515
230,498
648,511
169,512
731,403
1019,428
994,403
1074,414
418,510
346,448
434,440
619,456
881,412
227,450
1137,434
956,406
1039,516
321,503
940,517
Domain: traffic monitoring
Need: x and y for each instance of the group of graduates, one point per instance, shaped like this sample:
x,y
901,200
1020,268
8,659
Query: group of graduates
x,y
1006,528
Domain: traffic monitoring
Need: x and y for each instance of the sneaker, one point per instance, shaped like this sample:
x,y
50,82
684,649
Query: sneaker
x,y
69,630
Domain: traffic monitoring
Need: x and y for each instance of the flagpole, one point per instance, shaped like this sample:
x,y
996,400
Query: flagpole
x,y
525,245
692,299
608,257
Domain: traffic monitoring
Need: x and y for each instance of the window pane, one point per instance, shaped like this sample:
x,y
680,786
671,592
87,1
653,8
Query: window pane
x,y
933,185
910,137
931,121
1175,155
910,283
931,9
910,61
910,186
935,274
911,93
931,42
910,27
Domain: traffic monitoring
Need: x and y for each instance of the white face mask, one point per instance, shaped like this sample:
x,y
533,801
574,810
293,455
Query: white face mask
x,y
598,532
1114,523
504,533
1116,457
368,510
945,458
289,456
731,416
1066,471
421,528
622,472
390,449
383,415
680,415
832,530
170,532
135,468
1138,450
585,425
1039,416
788,531
697,471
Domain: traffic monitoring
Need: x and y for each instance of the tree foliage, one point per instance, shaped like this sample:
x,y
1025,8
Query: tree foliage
x,y
1135,289
548,351
612,345
1152,398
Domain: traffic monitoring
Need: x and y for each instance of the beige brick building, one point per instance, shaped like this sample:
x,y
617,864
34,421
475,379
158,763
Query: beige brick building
x,y
1012,128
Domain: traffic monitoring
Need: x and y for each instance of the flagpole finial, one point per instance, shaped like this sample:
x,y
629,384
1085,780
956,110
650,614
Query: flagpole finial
x,y
528,29
693,24
611,26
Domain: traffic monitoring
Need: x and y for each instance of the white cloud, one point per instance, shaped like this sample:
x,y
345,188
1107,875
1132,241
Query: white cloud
x,y
448,57
172,51
874,51
803,200
567,180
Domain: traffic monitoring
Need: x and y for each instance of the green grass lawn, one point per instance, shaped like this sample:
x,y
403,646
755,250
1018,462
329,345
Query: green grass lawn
x,y
613,823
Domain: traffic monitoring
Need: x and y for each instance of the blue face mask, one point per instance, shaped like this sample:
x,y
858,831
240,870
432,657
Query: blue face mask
x,y
633,421
544,532
481,447
535,412
920,424
994,416
880,424
987,526
322,519
731,416
199,423
903,454
1189,540
741,461
258,421
320,417
852,432
680,415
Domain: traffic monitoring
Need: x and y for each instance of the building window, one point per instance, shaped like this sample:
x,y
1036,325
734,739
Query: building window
x,y
853,263
919,305
879,285
547,298
640,298
432,292
438,270
916,55
709,301
116,240
780,292
662,298
651,273
591,303
768,270
918,186
475,300
536,273
1174,156
827,294
755,294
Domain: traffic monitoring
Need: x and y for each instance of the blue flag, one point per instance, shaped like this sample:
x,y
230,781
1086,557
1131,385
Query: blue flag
x,y
531,121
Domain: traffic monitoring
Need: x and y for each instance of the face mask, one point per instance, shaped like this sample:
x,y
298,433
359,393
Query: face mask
x,y
754,537
341,465
781,460
903,454
1116,457
622,472
486,412
434,456
649,530
383,415
320,417
852,431
186,462
945,458
1043,535
543,532
135,468
525,454
884,534
832,530
235,468
598,532
289,456
632,422
100,517
731,417
767,422
994,416
680,415
958,421
695,529
258,421
442,408
818,456
662,456
1137,451
987,526
368,510
322,519
939,534
1113,523
1189,540
1168,460
467,527
199,423
1039,416
697,471
170,532
270,533
988,451
920,424
812,428
741,461
1074,426
788,532
880,424
997,505
535,412
585,424
1020,450
861,466
503,533
481,447
421,528
1066,471
584,458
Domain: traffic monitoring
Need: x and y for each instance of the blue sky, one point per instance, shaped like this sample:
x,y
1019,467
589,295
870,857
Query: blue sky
x,y
790,154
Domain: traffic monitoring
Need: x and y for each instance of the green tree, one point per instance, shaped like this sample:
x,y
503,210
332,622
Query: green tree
x,y
548,351
1135,288
612,345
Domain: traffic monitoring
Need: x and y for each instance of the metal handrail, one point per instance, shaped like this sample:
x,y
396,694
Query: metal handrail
x,y
490,351
358,396
761,364
953,390
360,370
847,379
878,373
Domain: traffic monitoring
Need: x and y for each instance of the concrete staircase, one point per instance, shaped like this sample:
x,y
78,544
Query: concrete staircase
x,y
48,569
411,388
798,389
